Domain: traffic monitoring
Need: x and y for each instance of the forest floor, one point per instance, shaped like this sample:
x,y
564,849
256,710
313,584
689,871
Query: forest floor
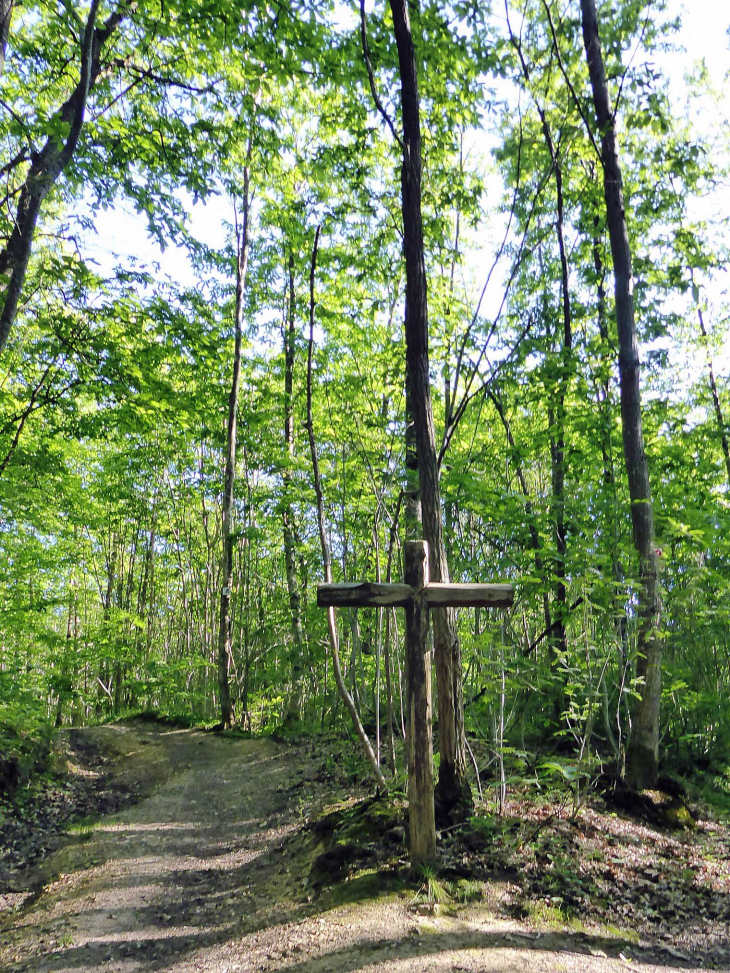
x,y
225,855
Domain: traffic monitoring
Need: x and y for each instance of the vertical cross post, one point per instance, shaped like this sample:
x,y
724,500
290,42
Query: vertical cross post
x,y
417,595
421,821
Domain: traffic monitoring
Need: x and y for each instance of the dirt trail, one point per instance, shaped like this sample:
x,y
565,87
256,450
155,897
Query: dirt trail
x,y
195,878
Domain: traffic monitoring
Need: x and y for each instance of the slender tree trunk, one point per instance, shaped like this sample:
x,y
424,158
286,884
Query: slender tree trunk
x,y
326,555
107,600
390,716
557,420
293,710
225,635
529,507
556,409
147,590
453,794
124,601
565,354
355,655
719,415
642,757
68,673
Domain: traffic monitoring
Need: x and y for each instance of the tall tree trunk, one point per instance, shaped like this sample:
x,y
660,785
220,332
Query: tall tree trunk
x,y
107,600
67,670
453,794
558,445
294,703
609,480
642,757
225,635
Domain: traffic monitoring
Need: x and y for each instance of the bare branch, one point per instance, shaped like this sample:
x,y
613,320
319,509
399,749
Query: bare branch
x,y
569,83
467,397
631,61
371,78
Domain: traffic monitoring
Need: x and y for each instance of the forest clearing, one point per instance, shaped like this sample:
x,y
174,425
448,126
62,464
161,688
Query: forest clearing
x,y
219,867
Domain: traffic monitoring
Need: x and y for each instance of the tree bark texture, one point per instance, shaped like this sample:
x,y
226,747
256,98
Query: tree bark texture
x,y
421,820
453,791
564,366
6,15
609,480
393,536
643,751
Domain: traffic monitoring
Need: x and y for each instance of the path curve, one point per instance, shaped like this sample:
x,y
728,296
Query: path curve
x,y
195,879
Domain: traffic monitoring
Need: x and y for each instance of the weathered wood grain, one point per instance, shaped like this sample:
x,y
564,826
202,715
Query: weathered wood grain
x,y
469,595
368,594
363,594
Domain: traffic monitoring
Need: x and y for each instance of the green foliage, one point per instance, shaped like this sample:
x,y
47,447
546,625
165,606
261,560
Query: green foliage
x,y
115,383
25,741
431,890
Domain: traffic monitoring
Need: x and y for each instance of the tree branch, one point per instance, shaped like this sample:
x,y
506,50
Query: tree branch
x,y
569,83
371,77
50,162
551,628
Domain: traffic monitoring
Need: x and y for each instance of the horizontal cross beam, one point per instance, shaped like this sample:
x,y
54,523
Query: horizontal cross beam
x,y
453,595
368,594
361,593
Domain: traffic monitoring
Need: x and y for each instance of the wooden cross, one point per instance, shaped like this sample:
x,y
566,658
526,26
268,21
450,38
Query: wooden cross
x,y
417,595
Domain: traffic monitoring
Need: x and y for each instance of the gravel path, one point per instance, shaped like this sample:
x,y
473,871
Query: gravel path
x,y
196,878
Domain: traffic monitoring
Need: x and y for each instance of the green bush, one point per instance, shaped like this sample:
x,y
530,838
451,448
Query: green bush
x,y
25,745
